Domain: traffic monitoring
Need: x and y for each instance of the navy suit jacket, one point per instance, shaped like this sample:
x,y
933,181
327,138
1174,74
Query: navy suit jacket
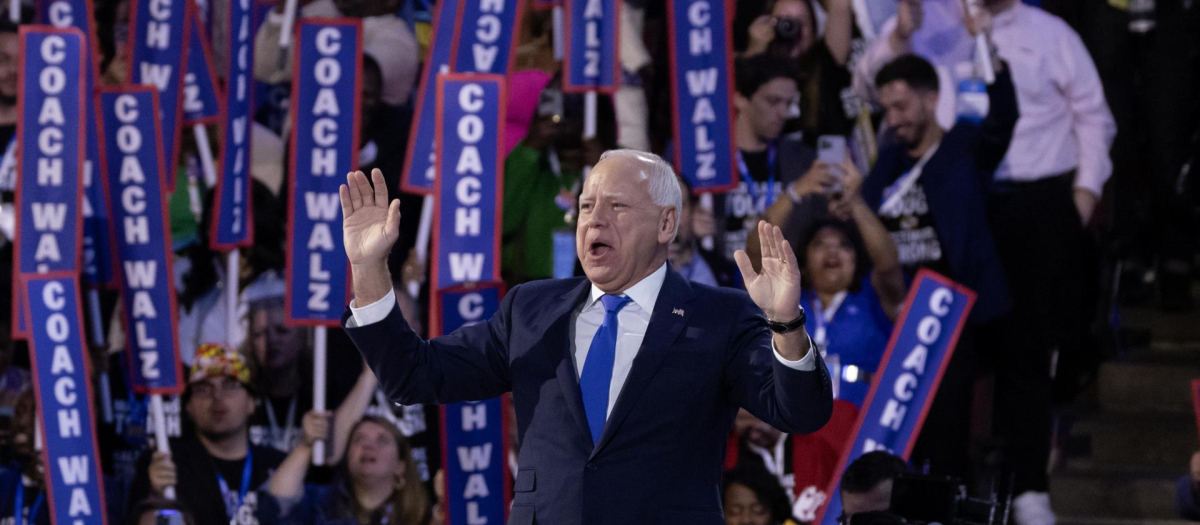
x,y
660,456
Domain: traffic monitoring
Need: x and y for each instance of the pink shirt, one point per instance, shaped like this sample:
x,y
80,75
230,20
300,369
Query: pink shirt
x,y
1065,122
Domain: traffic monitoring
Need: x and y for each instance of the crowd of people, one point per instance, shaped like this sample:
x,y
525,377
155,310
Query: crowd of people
x,y
1018,186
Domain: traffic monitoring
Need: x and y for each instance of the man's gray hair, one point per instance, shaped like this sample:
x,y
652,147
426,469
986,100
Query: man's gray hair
x,y
660,179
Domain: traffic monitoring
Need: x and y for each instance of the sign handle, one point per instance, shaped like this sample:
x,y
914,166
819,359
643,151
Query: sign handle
x,y
14,11
206,155
557,19
289,20
97,334
706,202
320,341
422,246
160,434
231,296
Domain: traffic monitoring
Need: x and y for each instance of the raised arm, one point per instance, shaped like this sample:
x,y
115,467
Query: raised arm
x,y
351,411
887,276
287,483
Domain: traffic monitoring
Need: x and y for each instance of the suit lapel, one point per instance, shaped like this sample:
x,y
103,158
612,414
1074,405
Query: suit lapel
x,y
558,334
666,323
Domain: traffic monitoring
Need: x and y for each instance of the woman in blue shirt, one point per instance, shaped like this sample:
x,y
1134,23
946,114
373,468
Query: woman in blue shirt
x,y
853,283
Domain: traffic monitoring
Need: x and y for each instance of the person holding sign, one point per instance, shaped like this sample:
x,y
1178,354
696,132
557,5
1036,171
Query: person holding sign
x,y
626,382
217,472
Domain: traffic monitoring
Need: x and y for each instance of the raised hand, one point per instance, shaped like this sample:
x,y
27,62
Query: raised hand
x,y
776,289
369,224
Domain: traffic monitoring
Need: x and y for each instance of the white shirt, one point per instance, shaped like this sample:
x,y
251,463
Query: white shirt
x,y
1065,122
632,322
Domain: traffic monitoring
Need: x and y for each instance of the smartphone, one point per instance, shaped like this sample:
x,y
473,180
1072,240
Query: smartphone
x,y
831,149
168,517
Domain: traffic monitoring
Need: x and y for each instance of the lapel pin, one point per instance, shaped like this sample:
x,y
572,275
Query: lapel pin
x,y
678,311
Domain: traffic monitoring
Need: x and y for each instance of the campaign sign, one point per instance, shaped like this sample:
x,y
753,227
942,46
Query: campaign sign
x,y
232,227
908,377
486,39
419,170
158,43
62,383
592,40
470,163
701,54
201,104
325,105
50,127
135,169
97,256
473,437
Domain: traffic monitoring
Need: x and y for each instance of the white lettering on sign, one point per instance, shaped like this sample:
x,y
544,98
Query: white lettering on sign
x,y
140,275
593,14
477,458
488,28
60,14
66,393
322,207
49,219
468,217
904,388
701,85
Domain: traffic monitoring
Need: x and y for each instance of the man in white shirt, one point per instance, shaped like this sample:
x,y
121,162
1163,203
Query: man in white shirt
x,y
626,383
1044,191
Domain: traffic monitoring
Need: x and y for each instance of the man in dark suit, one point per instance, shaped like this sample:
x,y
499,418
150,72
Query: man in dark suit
x,y
625,383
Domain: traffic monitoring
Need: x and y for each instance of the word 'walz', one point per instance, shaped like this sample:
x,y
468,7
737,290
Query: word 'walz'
x,y
470,178
231,227
326,105
592,40
135,169
701,71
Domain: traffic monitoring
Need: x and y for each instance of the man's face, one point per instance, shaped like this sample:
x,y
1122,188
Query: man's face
x,y
10,50
623,235
878,498
769,108
276,345
743,508
909,112
220,406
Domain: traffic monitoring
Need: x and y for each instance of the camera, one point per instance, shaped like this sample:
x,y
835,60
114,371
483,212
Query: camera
x,y
788,29
927,500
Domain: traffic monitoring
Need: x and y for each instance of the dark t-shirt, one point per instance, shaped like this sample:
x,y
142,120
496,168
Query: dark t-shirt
x,y
748,201
912,227
199,491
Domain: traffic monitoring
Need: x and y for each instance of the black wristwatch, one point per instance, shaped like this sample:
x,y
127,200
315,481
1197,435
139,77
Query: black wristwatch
x,y
790,326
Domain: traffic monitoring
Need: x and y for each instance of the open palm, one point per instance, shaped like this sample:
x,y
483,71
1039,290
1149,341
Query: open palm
x,y
369,224
775,289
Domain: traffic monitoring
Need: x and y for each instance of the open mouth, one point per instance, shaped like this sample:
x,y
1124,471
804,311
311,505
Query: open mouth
x,y
598,249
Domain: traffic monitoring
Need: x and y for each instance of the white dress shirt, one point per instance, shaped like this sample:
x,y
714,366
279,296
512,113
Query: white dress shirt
x,y
632,322
1065,122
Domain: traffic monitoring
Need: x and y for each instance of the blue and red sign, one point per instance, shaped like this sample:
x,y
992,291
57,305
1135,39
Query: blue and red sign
x,y
325,105
233,227
478,484
466,216
201,102
909,375
158,43
62,383
701,54
591,58
50,129
419,169
135,171
97,255
486,39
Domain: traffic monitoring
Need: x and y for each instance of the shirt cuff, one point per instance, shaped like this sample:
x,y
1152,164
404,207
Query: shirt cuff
x,y
805,364
372,313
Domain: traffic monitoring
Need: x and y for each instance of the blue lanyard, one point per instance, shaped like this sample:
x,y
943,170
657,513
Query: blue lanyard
x,y
247,468
19,505
751,184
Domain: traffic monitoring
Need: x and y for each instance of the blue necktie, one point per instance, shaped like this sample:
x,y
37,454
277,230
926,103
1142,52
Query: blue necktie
x,y
596,376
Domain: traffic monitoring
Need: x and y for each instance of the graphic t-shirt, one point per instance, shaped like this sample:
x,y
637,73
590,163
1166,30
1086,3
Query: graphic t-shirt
x,y
912,226
747,202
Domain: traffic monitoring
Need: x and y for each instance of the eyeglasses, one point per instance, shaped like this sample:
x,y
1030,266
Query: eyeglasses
x,y
211,388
